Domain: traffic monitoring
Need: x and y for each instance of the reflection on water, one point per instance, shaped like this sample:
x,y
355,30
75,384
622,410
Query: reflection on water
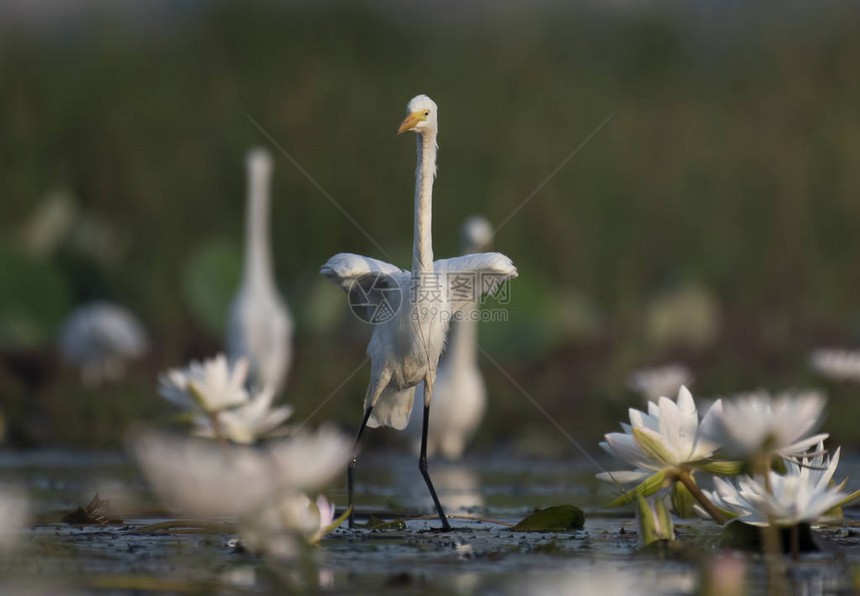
x,y
476,558
457,485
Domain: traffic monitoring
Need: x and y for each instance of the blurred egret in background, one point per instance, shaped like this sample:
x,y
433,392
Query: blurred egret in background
x,y
460,397
260,328
660,381
100,338
407,341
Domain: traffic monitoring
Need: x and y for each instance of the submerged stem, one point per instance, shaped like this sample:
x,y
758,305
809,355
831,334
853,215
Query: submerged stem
x,y
216,430
795,542
770,539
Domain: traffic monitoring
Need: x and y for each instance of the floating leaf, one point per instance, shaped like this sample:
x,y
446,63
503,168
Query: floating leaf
x,y
558,518
374,523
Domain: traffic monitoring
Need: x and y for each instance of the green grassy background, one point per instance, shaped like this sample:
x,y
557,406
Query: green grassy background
x,y
713,220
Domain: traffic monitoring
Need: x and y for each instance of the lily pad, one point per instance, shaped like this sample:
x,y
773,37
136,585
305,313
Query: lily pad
x,y
374,523
559,518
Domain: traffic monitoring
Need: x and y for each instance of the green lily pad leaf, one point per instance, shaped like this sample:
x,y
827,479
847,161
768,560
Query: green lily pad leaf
x,y
374,523
648,487
558,518
683,500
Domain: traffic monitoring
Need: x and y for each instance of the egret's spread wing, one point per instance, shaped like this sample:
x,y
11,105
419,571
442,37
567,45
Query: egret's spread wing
x,y
470,276
344,268
376,289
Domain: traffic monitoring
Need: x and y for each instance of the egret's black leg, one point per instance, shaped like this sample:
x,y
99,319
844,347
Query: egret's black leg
x,y
350,473
422,465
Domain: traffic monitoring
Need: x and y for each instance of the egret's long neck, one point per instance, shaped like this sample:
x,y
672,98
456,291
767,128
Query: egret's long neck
x,y
258,256
422,249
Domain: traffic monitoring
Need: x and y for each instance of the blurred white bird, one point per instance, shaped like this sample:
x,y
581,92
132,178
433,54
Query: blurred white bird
x,y
407,342
100,338
840,365
460,397
260,328
660,381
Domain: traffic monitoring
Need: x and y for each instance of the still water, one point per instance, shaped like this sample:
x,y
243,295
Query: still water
x,y
478,557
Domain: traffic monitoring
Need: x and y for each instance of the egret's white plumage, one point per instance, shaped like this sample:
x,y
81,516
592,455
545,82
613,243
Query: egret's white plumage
x,y
260,328
100,338
405,349
460,396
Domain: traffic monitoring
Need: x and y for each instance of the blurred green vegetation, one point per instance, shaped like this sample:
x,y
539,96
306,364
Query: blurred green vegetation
x,y
713,220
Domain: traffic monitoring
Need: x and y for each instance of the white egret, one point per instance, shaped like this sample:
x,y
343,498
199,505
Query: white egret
x,y
460,396
660,381
405,347
100,338
260,328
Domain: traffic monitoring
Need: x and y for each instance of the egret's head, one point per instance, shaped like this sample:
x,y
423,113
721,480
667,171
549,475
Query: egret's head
x,y
259,162
477,234
421,113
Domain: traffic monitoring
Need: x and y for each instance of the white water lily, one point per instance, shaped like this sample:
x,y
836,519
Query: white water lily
x,y
803,494
654,383
208,479
668,437
309,461
210,386
14,517
755,424
325,518
277,529
200,477
244,424
841,365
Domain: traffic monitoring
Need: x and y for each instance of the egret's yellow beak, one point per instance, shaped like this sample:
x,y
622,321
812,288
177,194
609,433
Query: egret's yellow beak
x,y
410,121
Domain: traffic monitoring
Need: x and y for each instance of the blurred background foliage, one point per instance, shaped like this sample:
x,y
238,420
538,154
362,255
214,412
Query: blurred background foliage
x,y
712,221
